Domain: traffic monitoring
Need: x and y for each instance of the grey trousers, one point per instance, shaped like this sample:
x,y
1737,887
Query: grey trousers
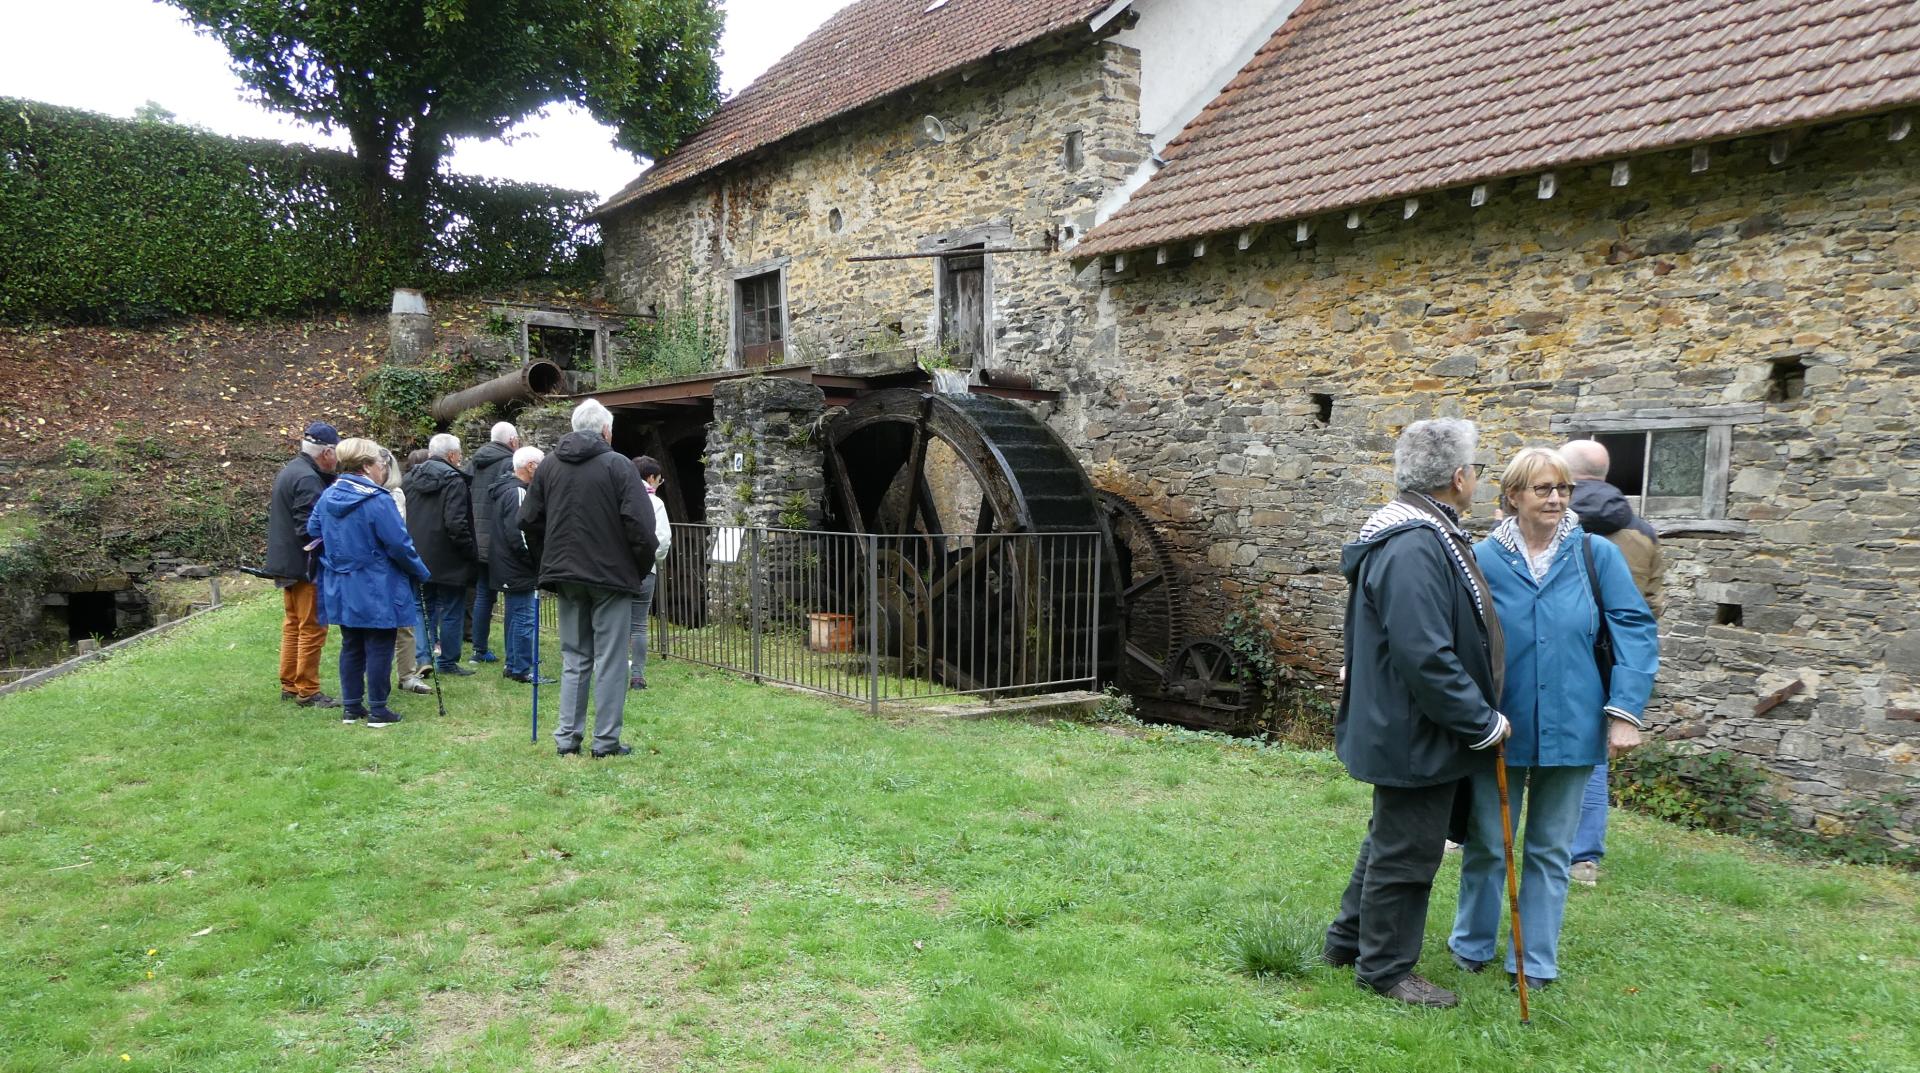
x,y
594,623
642,606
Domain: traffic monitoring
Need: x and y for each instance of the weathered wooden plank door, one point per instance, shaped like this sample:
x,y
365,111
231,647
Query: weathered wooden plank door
x,y
759,320
963,308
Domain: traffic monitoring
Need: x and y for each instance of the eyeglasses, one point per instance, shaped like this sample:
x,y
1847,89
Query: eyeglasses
x,y
1545,490
1479,469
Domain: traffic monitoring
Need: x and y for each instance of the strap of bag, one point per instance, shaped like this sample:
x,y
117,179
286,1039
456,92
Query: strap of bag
x,y
1603,639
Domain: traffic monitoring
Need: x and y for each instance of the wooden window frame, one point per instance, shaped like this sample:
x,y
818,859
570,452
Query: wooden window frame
x,y
1716,421
737,276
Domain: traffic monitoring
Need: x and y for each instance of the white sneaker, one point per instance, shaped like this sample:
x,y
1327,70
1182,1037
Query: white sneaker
x,y
1585,873
413,684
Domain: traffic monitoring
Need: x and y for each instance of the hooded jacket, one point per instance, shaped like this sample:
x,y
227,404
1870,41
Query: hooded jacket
x,y
1553,692
296,488
1605,512
367,557
440,517
1422,660
489,462
512,568
587,518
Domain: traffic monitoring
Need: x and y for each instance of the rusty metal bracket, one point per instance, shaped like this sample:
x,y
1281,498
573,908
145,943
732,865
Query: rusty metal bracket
x,y
1779,696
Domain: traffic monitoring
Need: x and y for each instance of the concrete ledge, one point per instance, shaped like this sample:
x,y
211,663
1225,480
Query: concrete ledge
x,y
1076,704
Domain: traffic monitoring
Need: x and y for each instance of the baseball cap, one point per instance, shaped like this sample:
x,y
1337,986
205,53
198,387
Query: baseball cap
x,y
323,433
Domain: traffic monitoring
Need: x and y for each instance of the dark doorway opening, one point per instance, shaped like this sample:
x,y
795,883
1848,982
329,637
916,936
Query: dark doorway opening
x,y
90,614
1627,460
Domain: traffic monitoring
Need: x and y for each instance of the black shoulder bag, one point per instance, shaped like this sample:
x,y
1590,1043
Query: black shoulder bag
x,y
1603,640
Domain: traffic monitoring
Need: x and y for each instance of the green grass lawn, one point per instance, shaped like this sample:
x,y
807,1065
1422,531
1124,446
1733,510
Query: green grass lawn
x,y
198,877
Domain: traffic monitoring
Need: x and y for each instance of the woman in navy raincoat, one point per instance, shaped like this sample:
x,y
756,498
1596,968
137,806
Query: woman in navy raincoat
x,y
364,587
1564,720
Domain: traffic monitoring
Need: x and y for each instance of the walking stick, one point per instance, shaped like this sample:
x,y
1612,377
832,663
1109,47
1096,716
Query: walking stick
x,y
535,739
433,650
1513,881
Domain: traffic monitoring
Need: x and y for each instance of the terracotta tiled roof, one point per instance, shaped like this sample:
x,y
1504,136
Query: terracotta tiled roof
x,y
1358,101
869,50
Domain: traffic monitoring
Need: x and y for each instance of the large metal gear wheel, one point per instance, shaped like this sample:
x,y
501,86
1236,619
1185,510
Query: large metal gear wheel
x,y
1211,686
1151,596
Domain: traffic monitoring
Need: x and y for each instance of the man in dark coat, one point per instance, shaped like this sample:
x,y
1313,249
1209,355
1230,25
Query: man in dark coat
x,y
296,488
494,458
440,519
1604,511
513,571
590,526
1424,658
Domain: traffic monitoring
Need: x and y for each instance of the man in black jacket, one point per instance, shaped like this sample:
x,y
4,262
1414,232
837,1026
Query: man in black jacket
x,y
1424,660
493,459
302,636
513,571
589,525
440,519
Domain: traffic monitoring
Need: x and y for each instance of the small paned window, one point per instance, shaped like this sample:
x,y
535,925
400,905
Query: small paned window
x,y
1664,472
759,319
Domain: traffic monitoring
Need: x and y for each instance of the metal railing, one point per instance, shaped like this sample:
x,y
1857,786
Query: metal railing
x,y
876,617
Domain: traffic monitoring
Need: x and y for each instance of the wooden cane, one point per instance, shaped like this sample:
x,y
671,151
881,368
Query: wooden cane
x,y
1513,881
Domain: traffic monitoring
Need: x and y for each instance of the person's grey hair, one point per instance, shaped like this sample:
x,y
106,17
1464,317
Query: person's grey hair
x,y
442,445
527,455
503,432
393,469
1586,459
314,450
591,416
1429,452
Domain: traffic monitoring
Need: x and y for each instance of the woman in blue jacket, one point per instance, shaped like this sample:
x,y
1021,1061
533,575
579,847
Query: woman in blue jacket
x,y
1564,720
367,559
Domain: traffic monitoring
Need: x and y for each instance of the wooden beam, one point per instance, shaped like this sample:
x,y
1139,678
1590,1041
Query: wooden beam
x,y
1160,256
1622,173
1353,220
1779,147
1119,262
1548,184
1899,127
1411,206
1200,249
1246,239
1702,157
1302,231
1478,197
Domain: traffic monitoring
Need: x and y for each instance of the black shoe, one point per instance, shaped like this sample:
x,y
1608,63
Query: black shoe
x,y
288,694
1467,964
1414,990
636,683
381,717
317,700
484,657
457,671
618,750
1338,959
353,715
1534,983
567,750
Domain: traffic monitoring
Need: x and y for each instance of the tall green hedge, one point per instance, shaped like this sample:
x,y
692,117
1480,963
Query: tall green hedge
x,y
122,221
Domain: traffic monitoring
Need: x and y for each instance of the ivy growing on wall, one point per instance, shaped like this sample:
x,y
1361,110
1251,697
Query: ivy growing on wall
x,y
124,221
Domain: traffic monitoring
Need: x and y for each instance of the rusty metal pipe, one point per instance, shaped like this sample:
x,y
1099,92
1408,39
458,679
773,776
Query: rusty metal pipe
x,y
529,381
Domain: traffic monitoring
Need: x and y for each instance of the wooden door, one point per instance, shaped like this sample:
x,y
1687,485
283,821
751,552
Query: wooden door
x,y
963,308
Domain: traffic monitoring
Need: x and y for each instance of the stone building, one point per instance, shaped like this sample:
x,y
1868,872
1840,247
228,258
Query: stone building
x,y
1688,230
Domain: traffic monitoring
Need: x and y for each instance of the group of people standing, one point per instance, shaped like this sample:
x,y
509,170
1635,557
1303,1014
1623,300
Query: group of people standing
x,y
1533,647
402,566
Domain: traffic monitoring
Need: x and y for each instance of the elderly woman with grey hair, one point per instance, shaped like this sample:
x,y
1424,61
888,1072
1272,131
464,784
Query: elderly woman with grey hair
x,y
404,657
1417,715
1556,589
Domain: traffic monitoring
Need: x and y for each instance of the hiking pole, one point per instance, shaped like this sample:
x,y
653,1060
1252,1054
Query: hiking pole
x,y
1513,881
433,650
535,739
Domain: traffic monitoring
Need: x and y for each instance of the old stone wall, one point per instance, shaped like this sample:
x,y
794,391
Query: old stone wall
x,y
764,466
881,184
1252,398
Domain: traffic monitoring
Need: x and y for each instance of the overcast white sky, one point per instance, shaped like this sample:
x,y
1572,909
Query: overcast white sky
x,y
113,55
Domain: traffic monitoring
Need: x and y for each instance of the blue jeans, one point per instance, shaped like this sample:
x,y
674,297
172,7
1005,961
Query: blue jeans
x,y
1590,841
518,626
483,596
1550,797
365,656
446,609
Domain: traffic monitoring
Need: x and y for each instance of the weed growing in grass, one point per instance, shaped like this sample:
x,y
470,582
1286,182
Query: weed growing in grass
x,y
1277,942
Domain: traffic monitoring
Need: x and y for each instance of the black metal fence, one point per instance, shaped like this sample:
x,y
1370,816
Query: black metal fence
x,y
879,618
